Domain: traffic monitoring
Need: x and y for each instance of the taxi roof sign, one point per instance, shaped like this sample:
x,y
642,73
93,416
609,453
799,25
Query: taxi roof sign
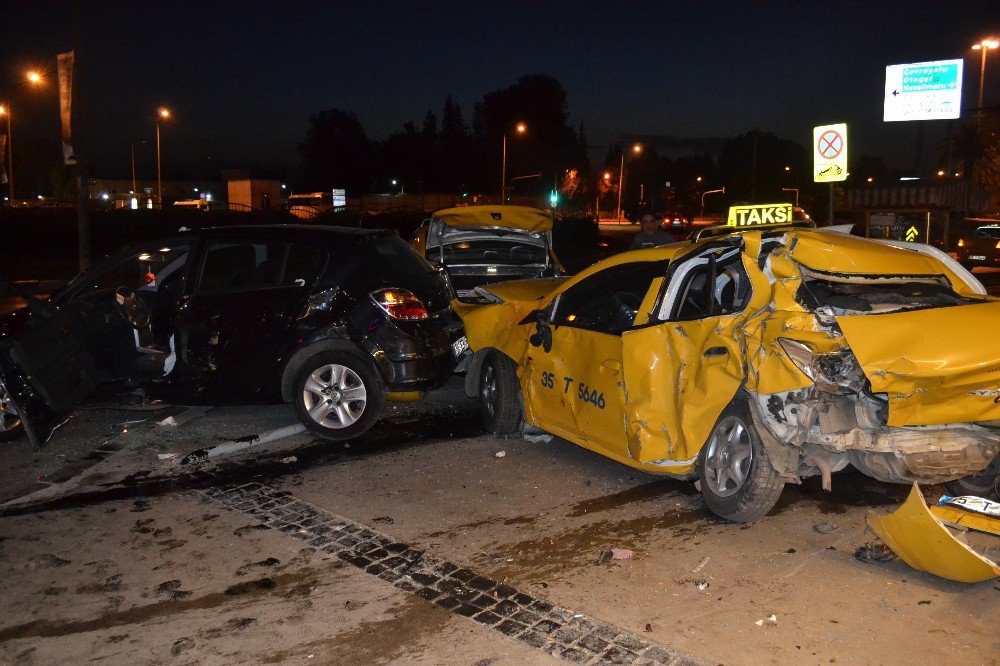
x,y
759,215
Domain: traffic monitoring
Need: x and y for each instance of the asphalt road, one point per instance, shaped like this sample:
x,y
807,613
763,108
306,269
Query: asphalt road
x,y
428,542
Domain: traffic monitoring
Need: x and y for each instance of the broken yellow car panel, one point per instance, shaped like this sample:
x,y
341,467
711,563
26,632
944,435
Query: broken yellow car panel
x,y
924,543
932,363
534,220
950,513
667,425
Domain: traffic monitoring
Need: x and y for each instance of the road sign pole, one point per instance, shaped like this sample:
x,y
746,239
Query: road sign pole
x,y
830,218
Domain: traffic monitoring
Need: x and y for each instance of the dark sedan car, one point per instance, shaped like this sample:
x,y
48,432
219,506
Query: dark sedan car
x,y
333,320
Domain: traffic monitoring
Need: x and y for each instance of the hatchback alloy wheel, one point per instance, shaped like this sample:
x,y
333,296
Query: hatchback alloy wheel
x,y
334,396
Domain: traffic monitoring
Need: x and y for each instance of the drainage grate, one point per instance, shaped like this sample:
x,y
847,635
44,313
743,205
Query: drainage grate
x,y
531,620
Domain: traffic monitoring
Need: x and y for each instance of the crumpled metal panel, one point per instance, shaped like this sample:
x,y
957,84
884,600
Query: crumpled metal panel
x,y
923,542
936,365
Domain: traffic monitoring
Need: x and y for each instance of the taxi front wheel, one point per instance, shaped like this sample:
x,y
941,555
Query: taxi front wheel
x,y
737,479
499,396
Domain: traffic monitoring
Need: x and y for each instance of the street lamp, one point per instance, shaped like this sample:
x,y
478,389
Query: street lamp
x,y
162,113
636,149
33,77
520,128
722,190
5,111
983,46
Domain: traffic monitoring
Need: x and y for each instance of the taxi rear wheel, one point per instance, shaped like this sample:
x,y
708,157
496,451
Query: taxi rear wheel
x,y
499,395
737,479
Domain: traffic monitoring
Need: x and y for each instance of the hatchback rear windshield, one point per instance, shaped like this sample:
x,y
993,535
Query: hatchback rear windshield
x,y
988,232
392,257
493,252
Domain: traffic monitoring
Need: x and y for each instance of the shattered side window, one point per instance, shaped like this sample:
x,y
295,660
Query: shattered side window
x,y
713,287
869,293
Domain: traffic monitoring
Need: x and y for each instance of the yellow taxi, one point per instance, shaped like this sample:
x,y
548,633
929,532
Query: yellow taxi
x,y
756,354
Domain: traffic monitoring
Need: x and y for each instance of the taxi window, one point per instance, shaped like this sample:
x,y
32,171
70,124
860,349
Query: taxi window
x,y
712,287
607,301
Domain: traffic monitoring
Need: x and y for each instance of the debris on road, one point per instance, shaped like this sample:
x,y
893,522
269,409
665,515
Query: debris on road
x,y
500,454
187,415
772,619
539,438
235,446
622,554
166,456
874,552
289,459
825,527
700,565
701,584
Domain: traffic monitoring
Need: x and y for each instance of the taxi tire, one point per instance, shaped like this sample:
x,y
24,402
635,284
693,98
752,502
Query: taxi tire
x,y
370,378
762,486
506,414
986,484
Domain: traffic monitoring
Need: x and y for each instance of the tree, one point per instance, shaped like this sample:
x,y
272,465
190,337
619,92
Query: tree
x,y
336,153
456,148
753,167
550,145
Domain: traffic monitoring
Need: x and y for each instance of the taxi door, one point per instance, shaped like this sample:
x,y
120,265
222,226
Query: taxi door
x,y
574,386
685,365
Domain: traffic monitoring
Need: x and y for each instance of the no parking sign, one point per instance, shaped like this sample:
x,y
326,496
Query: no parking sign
x,y
830,153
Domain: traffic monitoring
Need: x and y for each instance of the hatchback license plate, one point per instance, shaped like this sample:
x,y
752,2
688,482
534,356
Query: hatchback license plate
x,y
459,346
977,257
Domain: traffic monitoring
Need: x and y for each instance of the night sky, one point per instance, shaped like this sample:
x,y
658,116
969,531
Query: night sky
x,y
242,78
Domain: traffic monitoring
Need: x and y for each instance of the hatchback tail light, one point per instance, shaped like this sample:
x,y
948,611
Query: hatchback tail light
x,y
400,304
961,242
997,245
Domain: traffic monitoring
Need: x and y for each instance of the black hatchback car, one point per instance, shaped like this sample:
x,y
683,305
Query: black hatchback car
x,y
333,320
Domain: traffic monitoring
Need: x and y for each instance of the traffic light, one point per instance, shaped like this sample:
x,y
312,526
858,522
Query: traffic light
x,y
553,198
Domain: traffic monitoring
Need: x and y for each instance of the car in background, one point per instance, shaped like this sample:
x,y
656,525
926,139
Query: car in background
x,y
982,249
751,356
478,245
333,320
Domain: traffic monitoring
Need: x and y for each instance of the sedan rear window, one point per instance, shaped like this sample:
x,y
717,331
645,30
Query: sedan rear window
x,y
988,232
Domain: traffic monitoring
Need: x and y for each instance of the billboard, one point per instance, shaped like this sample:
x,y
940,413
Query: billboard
x,y
923,91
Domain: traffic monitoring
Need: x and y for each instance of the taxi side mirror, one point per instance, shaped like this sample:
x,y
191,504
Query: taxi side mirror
x,y
542,337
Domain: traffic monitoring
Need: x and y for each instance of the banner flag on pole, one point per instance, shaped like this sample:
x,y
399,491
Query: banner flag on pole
x,y
65,69
3,159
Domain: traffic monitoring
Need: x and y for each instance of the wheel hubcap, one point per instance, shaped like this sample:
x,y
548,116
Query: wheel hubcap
x,y
9,418
728,457
334,396
489,390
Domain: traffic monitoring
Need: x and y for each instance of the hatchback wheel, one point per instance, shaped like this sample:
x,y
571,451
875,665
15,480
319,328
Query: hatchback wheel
x,y
985,484
338,394
10,420
737,479
499,395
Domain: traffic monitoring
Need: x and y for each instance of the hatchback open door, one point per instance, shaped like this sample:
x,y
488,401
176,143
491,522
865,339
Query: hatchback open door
x,y
45,368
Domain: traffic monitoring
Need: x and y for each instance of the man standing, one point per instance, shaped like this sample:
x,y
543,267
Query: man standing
x,y
650,234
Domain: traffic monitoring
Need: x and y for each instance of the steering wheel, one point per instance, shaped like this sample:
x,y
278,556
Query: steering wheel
x,y
135,313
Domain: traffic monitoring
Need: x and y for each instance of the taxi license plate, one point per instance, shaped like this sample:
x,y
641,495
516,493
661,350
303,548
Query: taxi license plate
x,y
459,346
977,257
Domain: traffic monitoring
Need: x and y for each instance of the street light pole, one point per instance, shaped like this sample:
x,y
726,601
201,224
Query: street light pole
x,y
637,148
5,111
133,167
520,128
702,214
983,46
161,113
